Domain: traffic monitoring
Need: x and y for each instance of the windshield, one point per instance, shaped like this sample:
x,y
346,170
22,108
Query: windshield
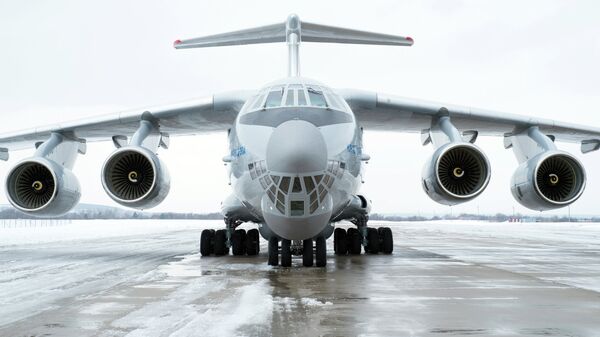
x,y
297,95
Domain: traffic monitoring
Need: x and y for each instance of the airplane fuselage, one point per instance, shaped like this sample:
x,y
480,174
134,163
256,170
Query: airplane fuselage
x,y
295,157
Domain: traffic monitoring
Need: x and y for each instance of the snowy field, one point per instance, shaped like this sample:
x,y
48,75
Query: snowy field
x,y
145,278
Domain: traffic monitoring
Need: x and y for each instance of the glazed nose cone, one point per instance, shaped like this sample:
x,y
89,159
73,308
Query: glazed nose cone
x,y
296,147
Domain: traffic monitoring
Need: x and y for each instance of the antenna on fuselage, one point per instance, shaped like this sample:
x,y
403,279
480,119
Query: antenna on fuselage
x,y
294,31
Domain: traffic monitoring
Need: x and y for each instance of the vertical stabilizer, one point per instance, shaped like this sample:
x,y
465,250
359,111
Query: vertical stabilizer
x,y
293,37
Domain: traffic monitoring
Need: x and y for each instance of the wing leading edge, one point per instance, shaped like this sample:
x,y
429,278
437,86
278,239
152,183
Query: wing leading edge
x,y
203,115
382,112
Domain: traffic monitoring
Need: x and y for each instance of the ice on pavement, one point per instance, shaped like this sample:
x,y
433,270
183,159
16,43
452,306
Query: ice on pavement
x,y
112,278
178,315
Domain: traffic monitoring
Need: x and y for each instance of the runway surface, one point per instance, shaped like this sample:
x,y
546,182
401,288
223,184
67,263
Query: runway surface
x,y
145,278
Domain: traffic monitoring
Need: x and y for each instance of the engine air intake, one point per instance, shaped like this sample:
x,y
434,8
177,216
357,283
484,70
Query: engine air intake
x,y
462,171
31,185
558,178
129,175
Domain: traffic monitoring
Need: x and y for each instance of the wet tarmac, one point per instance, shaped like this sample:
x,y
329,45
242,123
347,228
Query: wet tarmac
x,y
442,280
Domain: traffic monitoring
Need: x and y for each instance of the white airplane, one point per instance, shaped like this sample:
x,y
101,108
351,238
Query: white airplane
x,y
295,160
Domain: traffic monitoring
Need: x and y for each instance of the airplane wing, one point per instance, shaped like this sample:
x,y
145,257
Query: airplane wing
x,y
203,115
382,112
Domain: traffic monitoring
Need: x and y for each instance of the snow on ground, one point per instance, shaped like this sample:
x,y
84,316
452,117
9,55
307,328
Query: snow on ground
x,y
40,266
558,252
37,232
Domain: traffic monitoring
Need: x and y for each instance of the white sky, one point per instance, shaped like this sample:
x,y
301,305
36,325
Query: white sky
x,y
64,60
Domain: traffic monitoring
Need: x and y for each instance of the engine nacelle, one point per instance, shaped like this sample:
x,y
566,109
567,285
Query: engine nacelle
x,y
550,180
456,172
41,187
135,177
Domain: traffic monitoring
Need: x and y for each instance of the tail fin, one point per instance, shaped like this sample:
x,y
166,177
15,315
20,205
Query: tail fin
x,y
293,31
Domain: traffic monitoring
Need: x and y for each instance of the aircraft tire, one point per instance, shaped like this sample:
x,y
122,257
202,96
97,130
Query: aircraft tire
x,y
273,251
252,242
220,243
340,241
387,240
286,253
238,242
321,252
307,253
354,241
372,241
206,242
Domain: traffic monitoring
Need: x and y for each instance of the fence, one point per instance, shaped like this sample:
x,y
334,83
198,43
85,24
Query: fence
x,y
22,223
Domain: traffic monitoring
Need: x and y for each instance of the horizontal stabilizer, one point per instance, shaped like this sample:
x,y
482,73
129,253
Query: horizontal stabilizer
x,y
312,32
305,31
264,34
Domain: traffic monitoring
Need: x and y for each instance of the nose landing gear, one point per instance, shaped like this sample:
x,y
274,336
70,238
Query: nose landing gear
x,y
306,250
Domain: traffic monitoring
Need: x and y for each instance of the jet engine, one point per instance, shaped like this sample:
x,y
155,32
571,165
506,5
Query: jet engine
x,y
41,187
550,180
457,172
135,177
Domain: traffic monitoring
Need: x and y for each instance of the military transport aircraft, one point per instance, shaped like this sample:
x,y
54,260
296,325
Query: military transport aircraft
x,y
295,160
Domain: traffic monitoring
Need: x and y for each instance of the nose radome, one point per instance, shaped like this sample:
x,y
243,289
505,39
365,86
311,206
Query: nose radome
x,y
296,147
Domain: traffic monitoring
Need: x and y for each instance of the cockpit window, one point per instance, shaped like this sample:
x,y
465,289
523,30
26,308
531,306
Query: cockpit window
x,y
297,95
274,98
316,97
299,90
289,100
258,101
334,101
301,98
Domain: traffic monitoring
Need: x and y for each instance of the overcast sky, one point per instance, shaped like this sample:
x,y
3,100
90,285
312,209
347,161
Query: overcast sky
x,y
64,60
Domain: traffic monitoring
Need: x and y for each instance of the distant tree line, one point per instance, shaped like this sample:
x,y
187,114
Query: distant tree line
x,y
113,213
498,217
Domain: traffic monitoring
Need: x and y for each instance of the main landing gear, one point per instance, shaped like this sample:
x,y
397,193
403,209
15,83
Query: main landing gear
x,y
312,251
220,241
374,240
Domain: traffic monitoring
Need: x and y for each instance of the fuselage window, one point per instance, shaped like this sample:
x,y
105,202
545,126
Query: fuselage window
x,y
308,183
297,187
274,98
280,207
296,208
263,183
318,178
285,184
313,207
322,196
313,197
271,196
